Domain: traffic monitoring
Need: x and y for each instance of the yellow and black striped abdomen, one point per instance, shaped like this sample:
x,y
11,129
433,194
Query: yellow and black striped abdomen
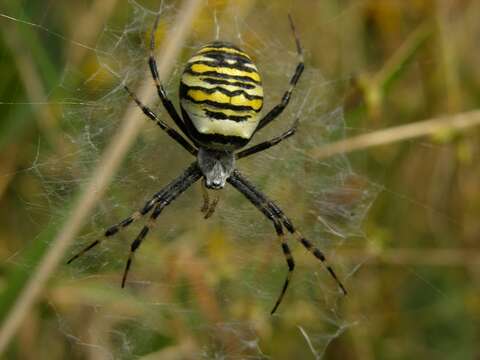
x,y
221,96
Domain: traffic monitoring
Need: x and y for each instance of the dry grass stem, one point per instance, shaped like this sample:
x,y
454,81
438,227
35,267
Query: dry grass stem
x,y
415,257
90,24
109,163
418,129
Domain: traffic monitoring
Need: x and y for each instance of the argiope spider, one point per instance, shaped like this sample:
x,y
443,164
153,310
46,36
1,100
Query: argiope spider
x,y
221,98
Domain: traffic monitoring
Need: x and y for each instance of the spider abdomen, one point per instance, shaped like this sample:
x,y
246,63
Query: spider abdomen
x,y
221,96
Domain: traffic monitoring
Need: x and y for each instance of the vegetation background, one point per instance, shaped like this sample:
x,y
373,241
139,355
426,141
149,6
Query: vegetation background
x,y
411,265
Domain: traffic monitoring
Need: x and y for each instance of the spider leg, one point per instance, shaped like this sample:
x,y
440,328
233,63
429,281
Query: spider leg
x,y
112,230
162,94
192,170
309,246
206,199
211,209
254,195
261,205
269,143
278,109
138,240
171,132
300,238
169,193
290,263
208,208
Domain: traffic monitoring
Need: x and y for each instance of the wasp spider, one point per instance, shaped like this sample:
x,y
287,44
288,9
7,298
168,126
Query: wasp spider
x,y
221,97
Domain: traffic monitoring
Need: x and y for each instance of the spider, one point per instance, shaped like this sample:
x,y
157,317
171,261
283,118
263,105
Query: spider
x,y
221,97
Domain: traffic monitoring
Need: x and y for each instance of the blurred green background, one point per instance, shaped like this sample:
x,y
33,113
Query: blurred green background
x,y
399,222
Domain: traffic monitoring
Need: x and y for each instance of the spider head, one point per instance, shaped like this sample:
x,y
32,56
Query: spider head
x,y
216,167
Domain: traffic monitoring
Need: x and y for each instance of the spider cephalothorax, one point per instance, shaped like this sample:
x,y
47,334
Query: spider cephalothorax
x,y
221,97
216,167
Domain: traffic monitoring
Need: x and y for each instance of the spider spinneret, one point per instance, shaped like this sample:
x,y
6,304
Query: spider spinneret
x,y
221,96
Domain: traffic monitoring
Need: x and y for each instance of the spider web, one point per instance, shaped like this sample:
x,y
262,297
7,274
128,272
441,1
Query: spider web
x,y
203,288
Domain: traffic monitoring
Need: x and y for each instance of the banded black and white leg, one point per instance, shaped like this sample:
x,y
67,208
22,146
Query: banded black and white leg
x,y
260,201
170,131
162,94
176,187
278,109
138,240
170,193
261,205
305,242
269,143
114,229
168,105
287,223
